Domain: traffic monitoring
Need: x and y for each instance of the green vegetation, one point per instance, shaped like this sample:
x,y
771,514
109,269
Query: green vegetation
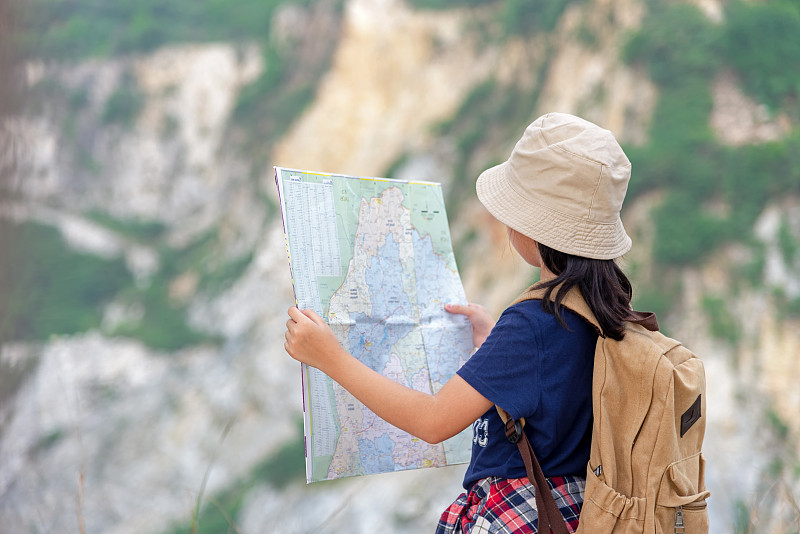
x,y
752,271
685,231
163,325
507,107
787,244
72,30
742,518
201,257
49,289
138,230
50,440
218,278
124,104
267,107
723,323
787,308
12,376
681,50
657,299
779,426
517,17
676,42
285,466
761,42
69,31
527,17
445,4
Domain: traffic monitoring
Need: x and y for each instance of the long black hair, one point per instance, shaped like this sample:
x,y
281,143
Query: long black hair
x,y
604,286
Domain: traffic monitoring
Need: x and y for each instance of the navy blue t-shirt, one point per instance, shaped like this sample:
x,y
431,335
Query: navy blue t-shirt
x,y
533,367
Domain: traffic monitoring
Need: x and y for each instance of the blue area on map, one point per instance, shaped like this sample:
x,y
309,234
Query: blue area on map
x,y
384,277
377,456
439,345
431,274
441,331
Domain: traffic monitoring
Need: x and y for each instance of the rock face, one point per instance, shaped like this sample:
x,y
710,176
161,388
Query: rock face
x,y
102,431
737,120
122,435
395,73
187,96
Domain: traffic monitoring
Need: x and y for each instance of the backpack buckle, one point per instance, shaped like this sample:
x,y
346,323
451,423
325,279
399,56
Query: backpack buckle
x,y
679,525
513,430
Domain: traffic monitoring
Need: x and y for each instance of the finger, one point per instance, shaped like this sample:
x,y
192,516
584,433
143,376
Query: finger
x,y
311,314
458,308
296,314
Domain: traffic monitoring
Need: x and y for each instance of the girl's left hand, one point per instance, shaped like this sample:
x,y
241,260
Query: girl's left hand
x,y
482,322
310,340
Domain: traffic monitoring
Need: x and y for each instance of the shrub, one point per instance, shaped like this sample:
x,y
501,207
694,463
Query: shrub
x,y
685,232
723,323
47,288
73,30
526,17
124,104
676,42
762,42
163,325
444,4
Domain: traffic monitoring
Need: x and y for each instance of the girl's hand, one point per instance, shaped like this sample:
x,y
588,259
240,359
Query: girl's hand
x,y
482,322
311,341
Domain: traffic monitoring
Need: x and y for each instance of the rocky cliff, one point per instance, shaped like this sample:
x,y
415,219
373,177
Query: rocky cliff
x,y
106,430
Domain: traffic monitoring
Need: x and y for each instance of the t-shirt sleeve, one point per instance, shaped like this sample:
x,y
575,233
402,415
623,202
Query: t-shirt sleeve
x,y
505,369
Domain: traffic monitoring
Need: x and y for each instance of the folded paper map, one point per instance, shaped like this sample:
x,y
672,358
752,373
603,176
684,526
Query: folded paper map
x,y
373,257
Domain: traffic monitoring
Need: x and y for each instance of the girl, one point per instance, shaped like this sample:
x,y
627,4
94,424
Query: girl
x,y
559,195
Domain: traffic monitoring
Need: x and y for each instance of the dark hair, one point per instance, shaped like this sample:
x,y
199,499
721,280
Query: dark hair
x,y
604,286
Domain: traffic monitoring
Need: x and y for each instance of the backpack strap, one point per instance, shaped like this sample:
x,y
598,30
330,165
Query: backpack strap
x,y
547,510
575,302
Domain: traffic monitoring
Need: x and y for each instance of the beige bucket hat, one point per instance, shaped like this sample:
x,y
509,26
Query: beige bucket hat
x,y
563,186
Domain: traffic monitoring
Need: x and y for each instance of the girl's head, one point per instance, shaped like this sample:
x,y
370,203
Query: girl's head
x,y
562,189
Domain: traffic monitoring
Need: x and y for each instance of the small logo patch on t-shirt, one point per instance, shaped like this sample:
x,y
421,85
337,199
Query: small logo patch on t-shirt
x,y
480,431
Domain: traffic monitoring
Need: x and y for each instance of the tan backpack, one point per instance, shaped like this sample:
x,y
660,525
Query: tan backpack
x,y
646,468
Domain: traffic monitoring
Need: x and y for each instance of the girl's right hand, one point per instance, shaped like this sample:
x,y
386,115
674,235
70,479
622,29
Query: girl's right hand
x,y
482,322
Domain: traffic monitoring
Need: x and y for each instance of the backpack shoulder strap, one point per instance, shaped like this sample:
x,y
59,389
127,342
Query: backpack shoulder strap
x,y
546,507
574,301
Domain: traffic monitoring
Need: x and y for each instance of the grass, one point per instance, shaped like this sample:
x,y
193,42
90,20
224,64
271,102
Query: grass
x,y
218,513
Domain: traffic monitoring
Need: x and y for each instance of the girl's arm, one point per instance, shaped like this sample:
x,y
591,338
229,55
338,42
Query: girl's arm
x,y
432,418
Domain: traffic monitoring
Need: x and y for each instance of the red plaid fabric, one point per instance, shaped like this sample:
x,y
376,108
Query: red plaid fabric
x,y
507,506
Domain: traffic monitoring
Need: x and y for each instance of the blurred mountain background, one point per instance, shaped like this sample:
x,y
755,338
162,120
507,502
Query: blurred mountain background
x,y
143,276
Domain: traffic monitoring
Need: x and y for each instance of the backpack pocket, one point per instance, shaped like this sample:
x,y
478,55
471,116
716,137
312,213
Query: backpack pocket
x,y
682,497
606,510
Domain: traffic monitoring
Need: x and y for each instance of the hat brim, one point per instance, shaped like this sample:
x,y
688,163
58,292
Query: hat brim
x,y
559,231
